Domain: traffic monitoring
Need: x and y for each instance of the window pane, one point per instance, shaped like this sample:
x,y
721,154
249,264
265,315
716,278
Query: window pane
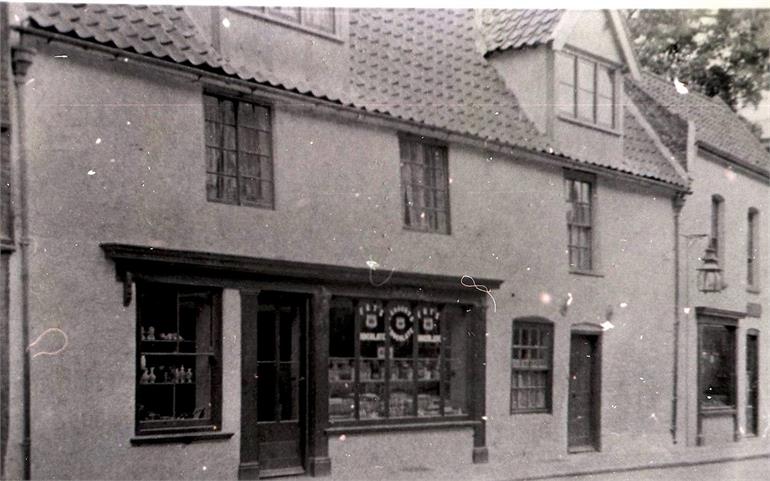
x,y
717,365
530,365
585,105
266,393
285,13
604,84
605,111
585,75
222,188
249,165
321,18
176,345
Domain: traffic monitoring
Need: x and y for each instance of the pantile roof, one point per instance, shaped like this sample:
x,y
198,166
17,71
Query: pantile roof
x,y
641,153
503,29
420,65
716,125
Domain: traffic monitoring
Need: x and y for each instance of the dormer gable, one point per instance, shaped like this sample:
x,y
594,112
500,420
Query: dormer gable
x,y
530,48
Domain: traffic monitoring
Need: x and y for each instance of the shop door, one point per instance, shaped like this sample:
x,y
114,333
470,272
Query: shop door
x,y
273,385
583,408
752,385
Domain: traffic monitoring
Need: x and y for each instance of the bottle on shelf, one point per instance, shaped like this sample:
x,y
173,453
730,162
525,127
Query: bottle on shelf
x,y
145,377
150,333
151,378
189,375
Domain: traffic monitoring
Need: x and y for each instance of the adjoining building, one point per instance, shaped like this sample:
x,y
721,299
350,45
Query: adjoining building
x,y
251,242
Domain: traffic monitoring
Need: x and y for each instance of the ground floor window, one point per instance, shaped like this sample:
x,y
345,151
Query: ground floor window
x,y
531,365
397,359
177,372
717,365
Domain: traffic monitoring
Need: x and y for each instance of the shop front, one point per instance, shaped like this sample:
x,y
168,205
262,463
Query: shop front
x,y
326,351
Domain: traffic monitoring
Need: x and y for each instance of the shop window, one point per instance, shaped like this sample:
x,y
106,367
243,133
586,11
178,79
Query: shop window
x,y
178,369
585,89
239,164
425,185
322,19
397,360
752,249
580,197
531,365
717,365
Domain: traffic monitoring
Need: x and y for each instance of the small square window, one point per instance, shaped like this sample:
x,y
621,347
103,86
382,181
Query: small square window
x,y
531,366
178,370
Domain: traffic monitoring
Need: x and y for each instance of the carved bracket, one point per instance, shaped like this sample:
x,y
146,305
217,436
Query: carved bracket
x,y
128,281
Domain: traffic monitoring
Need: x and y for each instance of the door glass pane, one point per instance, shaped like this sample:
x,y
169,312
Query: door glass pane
x,y
288,390
266,335
266,377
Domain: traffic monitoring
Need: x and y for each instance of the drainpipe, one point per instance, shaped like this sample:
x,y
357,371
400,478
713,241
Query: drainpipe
x,y
21,60
678,203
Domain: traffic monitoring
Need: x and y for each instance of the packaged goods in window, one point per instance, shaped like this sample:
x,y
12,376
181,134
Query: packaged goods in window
x,y
406,359
370,406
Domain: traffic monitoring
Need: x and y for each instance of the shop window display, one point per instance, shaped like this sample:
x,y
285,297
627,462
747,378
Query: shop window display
x,y
396,360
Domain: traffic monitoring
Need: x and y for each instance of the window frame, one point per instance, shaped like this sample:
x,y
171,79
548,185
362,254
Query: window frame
x,y
173,429
356,422
731,326
716,234
591,180
266,202
425,145
573,114
753,244
286,21
547,327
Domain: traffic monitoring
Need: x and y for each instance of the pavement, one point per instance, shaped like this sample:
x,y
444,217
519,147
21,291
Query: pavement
x,y
757,469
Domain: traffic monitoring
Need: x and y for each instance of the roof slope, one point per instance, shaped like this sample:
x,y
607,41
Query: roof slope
x,y
419,65
715,124
423,65
641,153
503,29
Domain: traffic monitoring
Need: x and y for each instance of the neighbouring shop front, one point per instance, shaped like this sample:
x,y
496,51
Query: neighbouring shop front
x,y
324,350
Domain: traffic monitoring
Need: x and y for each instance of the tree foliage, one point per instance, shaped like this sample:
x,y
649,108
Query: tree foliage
x,y
716,52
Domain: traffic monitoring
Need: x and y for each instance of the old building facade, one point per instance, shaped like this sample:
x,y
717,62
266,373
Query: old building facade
x,y
253,242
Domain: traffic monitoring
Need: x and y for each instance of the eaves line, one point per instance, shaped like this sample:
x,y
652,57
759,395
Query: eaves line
x,y
729,158
277,94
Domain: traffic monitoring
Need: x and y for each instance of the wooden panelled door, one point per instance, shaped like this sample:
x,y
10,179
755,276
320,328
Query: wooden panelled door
x,y
752,384
273,384
584,401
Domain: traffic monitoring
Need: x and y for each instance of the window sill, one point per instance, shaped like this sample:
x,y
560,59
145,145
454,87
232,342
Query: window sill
x,y
579,272
753,290
184,438
530,411
401,426
425,231
718,411
296,26
265,205
585,123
